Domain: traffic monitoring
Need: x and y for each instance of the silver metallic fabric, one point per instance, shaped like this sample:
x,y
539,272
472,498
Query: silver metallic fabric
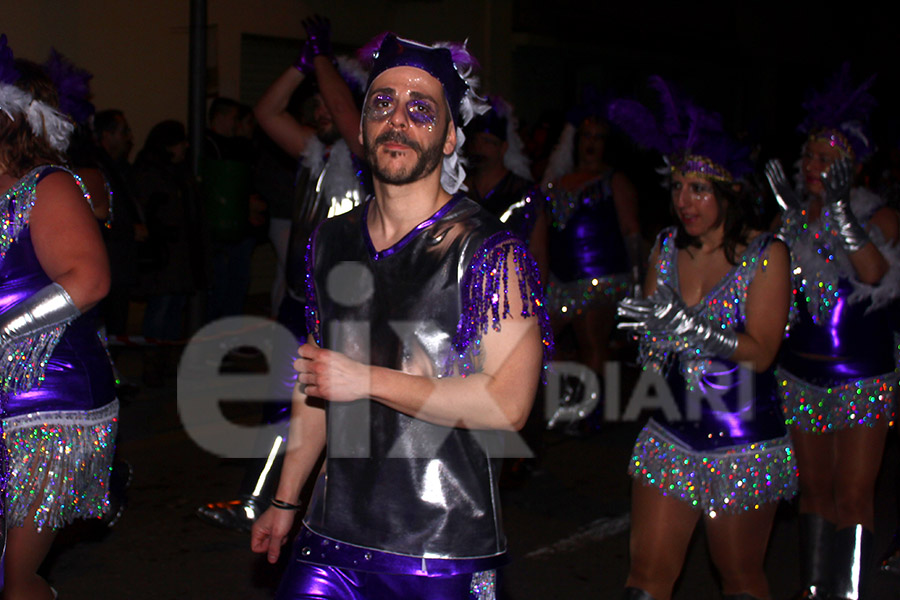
x,y
785,194
837,181
394,482
47,308
664,313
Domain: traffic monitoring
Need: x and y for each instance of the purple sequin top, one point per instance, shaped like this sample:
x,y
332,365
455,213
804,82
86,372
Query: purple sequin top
x,y
836,333
77,376
740,405
585,240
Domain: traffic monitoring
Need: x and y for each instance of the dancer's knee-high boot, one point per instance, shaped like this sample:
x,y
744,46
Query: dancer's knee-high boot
x,y
633,593
850,562
816,541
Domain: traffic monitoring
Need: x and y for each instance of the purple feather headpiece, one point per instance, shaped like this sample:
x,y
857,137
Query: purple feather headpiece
x,y
42,119
8,72
449,63
594,105
839,115
72,86
691,138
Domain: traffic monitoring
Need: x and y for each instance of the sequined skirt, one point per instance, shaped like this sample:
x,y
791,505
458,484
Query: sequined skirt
x,y
726,480
570,298
825,406
62,459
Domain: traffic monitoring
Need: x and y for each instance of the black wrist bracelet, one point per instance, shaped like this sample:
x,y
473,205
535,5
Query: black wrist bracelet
x,y
285,505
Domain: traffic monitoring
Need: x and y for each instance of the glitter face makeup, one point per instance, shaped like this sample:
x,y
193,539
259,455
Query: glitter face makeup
x,y
420,109
695,203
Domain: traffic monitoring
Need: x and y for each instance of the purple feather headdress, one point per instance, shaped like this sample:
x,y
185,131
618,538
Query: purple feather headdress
x,y
8,72
839,114
448,62
72,86
44,120
691,139
10,96
593,105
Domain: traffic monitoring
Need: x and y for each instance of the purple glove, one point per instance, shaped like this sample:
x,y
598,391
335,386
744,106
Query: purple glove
x,y
318,34
304,60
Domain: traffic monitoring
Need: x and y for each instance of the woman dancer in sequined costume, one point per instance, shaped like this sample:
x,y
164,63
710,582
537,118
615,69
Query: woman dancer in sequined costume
x,y
717,296
58,395
590,237
837,372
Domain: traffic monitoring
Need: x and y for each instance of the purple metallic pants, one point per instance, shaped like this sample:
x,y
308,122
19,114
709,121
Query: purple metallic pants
x,y
308,581
304,581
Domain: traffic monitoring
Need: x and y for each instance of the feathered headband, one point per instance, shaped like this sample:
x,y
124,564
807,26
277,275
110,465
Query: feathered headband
x,y
690,138
43,120
72,85
839,115
453,66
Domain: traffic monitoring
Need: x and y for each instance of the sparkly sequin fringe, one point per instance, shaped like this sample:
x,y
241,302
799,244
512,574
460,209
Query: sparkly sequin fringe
x,y
484,585
62,458
573,297
24,361
310,310
816,409
721,481
485,300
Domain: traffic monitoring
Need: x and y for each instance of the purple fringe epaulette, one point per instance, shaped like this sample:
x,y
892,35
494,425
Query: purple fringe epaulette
x,y
485,300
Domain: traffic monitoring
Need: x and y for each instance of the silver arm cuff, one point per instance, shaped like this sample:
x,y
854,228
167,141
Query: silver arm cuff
x,y
48,307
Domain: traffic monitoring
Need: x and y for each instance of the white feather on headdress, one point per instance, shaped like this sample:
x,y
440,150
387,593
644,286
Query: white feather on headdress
x,y
562,159
453,173
13,101
353,72
44,120
515,159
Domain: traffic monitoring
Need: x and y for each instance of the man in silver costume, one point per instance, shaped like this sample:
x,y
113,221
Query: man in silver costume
x,y
419,358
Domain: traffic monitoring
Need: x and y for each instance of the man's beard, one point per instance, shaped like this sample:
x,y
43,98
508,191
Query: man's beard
x,y
428,158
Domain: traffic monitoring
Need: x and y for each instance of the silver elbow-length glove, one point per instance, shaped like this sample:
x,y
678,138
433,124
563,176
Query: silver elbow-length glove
x,y
48,307
785,194
664,313
837,181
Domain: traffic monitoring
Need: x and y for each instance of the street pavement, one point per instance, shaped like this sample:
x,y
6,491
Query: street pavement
x,y
567,523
